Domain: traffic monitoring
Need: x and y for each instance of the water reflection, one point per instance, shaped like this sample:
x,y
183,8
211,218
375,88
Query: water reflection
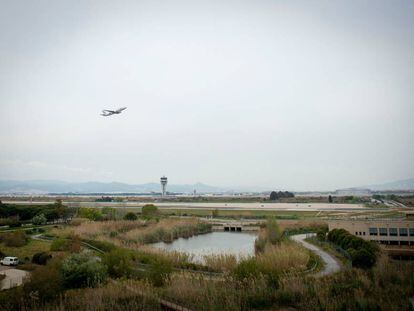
x,y
236,243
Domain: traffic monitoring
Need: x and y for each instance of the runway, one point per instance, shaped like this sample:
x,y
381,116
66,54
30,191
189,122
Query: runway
x,y
311,207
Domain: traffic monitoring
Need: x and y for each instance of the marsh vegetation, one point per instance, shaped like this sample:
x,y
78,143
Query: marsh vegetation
x,y
130,274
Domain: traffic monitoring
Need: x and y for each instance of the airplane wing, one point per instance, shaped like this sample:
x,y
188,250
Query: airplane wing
x,y
121,109
108,111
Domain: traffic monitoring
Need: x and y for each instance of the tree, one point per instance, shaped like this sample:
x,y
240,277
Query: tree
x,y
280,194
215,213
330,199
362,258
39,220
273,196
130,216
59,209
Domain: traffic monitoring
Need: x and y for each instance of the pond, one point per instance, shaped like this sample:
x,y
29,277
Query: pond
x,y
213,243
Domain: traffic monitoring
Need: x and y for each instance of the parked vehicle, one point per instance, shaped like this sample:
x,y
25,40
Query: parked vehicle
x,y
9,261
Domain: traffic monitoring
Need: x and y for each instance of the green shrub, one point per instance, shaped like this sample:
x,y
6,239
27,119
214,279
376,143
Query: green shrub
x,y
159,272
82,270
130,216
273,233
247,269
119,263
321,233
90,213
58,244
149,210
362,258
41,258
61,244
45,282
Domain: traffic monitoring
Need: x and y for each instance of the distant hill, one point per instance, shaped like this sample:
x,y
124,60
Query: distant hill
x,y
406,184
56,186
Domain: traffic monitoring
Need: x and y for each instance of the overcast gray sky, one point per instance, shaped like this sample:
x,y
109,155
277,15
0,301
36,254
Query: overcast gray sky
x,y
300,95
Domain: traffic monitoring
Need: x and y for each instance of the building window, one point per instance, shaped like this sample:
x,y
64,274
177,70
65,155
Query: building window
x,y
411,231
383,231
393,232
373,231
356,233
363,232
403,232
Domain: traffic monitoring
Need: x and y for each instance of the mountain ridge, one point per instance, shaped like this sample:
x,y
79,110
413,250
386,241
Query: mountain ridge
x,y
57,186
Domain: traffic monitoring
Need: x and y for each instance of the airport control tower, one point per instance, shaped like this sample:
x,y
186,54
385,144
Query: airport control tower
x,y
164,182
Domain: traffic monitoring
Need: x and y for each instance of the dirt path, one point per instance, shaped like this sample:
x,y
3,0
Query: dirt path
x,y
331,265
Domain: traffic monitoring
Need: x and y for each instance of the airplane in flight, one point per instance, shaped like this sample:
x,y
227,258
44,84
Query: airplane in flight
x,y
107,113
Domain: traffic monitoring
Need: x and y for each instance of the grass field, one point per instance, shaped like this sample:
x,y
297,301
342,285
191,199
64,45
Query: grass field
x,y
278,214
27,251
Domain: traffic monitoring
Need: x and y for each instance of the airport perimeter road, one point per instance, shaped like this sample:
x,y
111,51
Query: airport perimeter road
x,y
331,265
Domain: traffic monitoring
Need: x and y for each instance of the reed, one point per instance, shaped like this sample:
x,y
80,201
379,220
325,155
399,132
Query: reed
x,y
119,296
385,287
129,233
283,258
221,262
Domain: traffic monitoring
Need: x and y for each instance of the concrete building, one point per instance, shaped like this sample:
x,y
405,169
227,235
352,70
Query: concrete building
x,y
396,236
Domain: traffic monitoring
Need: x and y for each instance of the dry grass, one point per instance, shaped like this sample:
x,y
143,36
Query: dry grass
x,y
96,229
127,295
135,233
283,258
221,262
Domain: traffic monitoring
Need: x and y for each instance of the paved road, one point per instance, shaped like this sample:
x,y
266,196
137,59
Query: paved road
x,y
331,265
14,277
